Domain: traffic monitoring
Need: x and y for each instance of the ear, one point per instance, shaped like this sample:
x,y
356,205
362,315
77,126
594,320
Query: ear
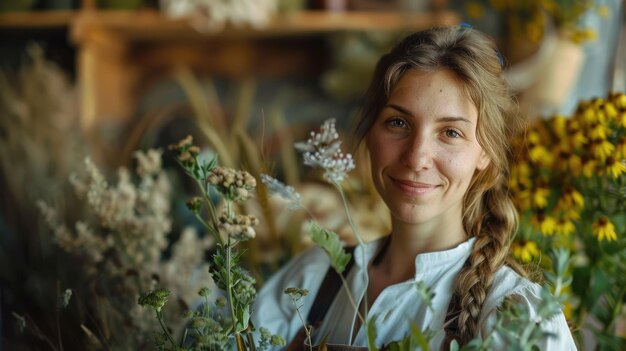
x,y
483,161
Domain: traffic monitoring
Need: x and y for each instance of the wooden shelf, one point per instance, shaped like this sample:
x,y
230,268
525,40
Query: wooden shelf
x,y
120,52
36,19
154,26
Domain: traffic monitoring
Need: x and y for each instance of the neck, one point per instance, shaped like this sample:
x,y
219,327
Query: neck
x,y
410,240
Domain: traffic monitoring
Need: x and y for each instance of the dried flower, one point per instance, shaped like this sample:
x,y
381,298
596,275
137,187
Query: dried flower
x,y
20,322
194,204
148,163
239,227
65,298
156,299
323,150
296,293
286,192
204,292
233,184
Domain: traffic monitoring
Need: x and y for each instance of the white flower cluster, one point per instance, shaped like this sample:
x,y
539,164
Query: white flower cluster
x,y
131,219
286,192
186,271
323,150
124,241
213,15
149,162
233,184
238,227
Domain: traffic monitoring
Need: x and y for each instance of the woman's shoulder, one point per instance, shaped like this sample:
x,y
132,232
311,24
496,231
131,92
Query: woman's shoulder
x,y
304,270
508,283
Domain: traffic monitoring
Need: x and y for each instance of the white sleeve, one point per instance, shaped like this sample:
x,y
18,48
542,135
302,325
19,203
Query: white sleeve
x,y
274,310
530,297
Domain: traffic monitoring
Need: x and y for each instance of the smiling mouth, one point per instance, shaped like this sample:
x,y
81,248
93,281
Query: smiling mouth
x,y
412,188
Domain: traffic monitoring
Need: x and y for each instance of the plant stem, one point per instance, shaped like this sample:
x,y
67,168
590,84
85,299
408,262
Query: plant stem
x,y
347,210
239,341
206,225
351,298
361,242
251,346
229,291
160,318
211,210
58,312
306,328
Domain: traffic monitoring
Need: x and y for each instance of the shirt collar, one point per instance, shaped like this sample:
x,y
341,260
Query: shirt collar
x,y
424,262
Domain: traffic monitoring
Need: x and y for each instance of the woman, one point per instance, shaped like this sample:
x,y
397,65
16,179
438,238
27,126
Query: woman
x,y
437,122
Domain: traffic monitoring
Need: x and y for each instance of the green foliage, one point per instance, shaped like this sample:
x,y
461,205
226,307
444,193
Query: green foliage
x,y
329,241
210,327
155,299
371,334
416,340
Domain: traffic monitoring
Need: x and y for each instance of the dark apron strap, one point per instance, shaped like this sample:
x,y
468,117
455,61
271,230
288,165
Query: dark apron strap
x,y
325,295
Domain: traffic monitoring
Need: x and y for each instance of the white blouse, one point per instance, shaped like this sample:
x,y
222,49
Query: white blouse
x,y
398,304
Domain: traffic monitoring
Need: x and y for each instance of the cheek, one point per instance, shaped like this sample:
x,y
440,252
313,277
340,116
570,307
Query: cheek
x,y
461,167
378,151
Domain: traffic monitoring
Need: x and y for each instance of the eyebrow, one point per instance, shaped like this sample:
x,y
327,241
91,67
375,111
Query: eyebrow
x,y
441,119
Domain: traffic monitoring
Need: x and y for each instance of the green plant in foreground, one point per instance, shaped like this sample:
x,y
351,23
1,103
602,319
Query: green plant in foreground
x,y
214,329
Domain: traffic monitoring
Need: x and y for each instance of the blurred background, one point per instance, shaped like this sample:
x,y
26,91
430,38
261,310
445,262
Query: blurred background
x,y
92,206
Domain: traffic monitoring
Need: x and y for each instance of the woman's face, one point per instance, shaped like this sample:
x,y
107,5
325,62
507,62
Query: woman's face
x,y
423,148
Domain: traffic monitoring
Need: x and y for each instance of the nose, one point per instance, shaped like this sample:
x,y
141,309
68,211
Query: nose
x,y
417,154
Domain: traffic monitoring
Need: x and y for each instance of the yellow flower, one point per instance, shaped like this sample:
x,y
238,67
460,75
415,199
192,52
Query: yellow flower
x,y
564,226
575,164
559,125
590,115
602,149
522,198
589,168
572,198
541,156
545,224
569,213
533,137
599,131
577,139
622,119
614,167
619,100
610,110
604,229
525,250
520,176
540,197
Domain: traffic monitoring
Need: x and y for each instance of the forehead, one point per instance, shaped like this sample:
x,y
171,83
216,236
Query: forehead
x,y
432,92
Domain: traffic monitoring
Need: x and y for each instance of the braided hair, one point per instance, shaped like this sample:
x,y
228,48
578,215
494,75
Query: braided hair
x,y
488,212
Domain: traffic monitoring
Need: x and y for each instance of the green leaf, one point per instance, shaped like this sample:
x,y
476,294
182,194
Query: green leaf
x,y
454,346
600,283
371,334
421,339
329,242
582,281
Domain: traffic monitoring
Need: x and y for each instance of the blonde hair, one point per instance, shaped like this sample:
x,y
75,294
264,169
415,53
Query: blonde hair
x,y
488,212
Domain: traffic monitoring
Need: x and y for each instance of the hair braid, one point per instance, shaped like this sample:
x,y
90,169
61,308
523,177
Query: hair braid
x,y
490,252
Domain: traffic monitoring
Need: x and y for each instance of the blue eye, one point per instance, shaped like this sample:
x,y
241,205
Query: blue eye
x,y
451,133
396,123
